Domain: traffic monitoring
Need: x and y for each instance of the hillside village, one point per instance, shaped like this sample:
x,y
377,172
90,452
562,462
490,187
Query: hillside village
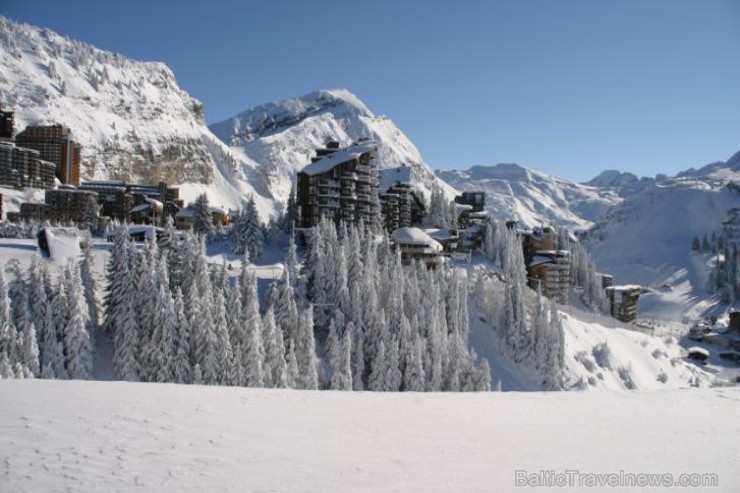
x,y
341,195
266,207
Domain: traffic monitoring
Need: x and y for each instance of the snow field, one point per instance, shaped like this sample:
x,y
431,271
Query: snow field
x,y
85,436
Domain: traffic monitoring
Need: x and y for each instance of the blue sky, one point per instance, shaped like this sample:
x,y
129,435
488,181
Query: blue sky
x,y
568,87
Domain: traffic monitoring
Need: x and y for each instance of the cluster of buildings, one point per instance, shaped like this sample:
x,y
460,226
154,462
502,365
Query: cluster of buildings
x,y
548,267
48,157
37,155
345,184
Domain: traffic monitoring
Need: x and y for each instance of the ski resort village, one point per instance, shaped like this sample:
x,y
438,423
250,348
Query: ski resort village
x,y
292,299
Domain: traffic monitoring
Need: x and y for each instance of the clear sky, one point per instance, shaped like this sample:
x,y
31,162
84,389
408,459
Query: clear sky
x,y
569,87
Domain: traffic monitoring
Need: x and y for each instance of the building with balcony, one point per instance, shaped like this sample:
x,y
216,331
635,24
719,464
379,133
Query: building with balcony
x,y
119,200
623,301
56,145
549,272
7,124
69,204
21,167
415,244
401,203
340,184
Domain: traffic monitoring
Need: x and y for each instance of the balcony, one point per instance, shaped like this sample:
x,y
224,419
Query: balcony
x,y
328,183
327,192
363,197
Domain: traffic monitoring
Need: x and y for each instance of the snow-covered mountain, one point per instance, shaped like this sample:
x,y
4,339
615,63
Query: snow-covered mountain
x,y
624,183
532,197
131,118
284,135
647,238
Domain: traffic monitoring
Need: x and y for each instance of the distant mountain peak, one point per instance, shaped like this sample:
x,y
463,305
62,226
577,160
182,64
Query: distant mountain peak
x,y
273,117
284,136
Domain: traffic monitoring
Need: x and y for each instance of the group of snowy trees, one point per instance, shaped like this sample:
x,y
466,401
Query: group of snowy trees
x,y
725,277
499,241
173,318
386,326
442,212
712,245
584,277
247,232
352,316
530,327
46,325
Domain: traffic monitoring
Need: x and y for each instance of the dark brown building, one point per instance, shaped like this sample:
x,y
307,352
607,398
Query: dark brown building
x,y
340,184
549,272
20,167
7,124
68,204
477,200
117,199
400,202
623,300
55,144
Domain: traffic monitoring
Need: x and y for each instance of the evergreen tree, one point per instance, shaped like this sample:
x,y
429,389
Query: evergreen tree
x,y
255,239
76,332
202,216
7,329
29,349
306,352
705,244
90,284
291,218
181,370
340,359
275,368
286,311
414,378
197,375
294,376
225,353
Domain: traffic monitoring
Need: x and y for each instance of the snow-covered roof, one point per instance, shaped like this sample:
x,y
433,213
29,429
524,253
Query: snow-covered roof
x,y
141,207
340,156
155,203
441,234
416,237
115,183
479,215
63,243
219,210
697,349
186,212
460,208
392,176
626,287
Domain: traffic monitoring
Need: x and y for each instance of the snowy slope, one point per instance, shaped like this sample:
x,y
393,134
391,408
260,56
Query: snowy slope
x,y
93,436
132,119
284,135
647,240
633,360
532,197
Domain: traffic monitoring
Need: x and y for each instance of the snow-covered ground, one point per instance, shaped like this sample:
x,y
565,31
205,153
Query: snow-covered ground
x,y
93,436
647,240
